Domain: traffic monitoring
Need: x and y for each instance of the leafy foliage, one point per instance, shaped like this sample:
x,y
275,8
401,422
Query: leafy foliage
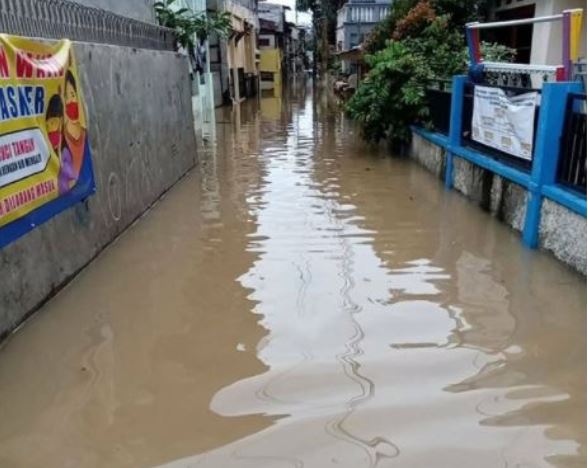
x,y
417,19
324,22
459,13
188,25
424,44
493,52
384,30
392,96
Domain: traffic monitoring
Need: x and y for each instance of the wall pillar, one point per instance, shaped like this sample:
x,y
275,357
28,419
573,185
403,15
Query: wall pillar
x,y
455,125
546,152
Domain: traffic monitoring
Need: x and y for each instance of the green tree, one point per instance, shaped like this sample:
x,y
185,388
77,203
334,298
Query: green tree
x,y
459,13
423,45
189,25
324,21
392,96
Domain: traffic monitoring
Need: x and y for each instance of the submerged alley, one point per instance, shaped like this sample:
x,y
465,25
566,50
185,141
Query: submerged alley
x,y
302,299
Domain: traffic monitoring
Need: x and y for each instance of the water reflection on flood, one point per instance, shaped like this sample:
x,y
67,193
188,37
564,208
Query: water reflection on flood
x,y
326,305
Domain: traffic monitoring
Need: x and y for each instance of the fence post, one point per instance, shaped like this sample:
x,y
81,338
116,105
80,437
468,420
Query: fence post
x,y
546,152
455,122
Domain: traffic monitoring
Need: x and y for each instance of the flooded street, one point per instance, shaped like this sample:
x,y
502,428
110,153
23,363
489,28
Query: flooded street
x,y
303,300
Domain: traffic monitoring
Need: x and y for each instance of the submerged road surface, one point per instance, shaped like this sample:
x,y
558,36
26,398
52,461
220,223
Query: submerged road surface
x,y
302,300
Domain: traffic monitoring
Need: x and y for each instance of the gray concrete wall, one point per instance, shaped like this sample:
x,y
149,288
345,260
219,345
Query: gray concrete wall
x,y
138,9
430,156
562,232
142,138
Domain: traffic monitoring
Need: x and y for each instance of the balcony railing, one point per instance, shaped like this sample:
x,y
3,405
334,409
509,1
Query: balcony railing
x,y
572,160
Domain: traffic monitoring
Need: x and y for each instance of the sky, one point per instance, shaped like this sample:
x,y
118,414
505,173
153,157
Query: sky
x,y
303,18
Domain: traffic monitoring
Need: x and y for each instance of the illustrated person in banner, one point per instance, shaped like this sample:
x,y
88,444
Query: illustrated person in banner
x,y
74,131
54,124
45,154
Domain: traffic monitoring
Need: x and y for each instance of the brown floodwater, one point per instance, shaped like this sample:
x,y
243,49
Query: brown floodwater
x,y
303,300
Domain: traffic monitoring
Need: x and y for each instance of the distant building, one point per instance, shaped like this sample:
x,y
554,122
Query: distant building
x,y
272,44
295,53
202,81
234,62
355,20
281,45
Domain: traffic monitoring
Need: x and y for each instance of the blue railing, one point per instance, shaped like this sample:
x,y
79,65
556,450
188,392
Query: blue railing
x,y
572,161
438,96
541,178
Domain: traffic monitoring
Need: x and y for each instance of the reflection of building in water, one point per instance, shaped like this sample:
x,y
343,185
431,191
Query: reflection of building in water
x,y
271,107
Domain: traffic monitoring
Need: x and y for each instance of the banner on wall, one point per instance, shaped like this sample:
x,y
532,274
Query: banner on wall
x,y
503,122
45,162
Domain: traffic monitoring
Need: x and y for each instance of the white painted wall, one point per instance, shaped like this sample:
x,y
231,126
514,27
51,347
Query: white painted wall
x,y
546,47
547,37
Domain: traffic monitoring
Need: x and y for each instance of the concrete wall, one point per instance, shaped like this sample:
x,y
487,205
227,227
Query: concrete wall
x,y
562,232
142,139
138,9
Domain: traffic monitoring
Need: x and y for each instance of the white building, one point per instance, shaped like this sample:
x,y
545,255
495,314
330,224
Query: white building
x,y
355,20
539,43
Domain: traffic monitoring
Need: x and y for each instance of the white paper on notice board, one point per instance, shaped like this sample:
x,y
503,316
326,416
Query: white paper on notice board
x,y
503,122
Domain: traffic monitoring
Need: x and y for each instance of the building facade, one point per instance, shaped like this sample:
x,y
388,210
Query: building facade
x,y
540,43
202,87
234,62
281,45
355,20
272,41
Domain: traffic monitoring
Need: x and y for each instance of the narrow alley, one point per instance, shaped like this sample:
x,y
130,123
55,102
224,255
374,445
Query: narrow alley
x,y
302,299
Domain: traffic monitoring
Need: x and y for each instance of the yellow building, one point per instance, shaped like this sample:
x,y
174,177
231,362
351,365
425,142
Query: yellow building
x,y
270,69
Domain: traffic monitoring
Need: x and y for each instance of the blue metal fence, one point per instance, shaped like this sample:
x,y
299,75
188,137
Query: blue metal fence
x,y
438,95
541,178
572,161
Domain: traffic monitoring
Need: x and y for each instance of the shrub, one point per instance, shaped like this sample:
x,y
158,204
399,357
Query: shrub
x,y
383,31
422,45
416,20
392,96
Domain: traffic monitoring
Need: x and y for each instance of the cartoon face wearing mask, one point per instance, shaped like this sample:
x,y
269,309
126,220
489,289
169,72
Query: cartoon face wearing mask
x,y
74,132
54,127
72,106
54,122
